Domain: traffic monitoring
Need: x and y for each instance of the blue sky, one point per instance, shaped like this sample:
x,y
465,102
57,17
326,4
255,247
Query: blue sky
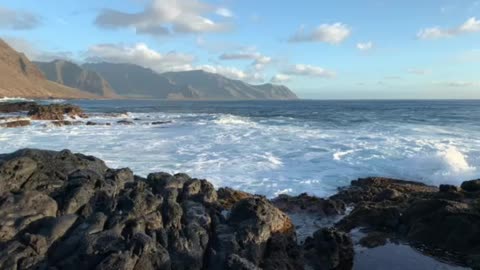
x,y
320,49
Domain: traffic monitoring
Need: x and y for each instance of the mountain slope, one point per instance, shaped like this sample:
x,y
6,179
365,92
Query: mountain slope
x,y
72,75
214,86
135,81
21,78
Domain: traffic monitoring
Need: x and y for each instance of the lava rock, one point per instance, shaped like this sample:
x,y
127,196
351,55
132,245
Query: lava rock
x,y
329,249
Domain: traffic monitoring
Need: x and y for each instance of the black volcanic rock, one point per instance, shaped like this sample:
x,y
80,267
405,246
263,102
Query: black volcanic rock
x,y
444,222
60,210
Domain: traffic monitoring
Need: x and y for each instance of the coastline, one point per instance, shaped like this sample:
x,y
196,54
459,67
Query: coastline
x,y
71,211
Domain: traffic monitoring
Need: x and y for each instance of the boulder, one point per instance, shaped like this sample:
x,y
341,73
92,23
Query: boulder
x,y
309,204
329,249
17,211
471,186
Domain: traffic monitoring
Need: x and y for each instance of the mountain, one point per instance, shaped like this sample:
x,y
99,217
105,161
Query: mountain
x,y
21,78
135,81
73,75
213,86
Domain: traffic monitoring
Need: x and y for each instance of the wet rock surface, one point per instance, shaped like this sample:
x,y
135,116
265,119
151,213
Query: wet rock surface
x,y
445,222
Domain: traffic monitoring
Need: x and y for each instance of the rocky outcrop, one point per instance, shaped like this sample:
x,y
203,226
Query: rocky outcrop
x,y
445,221
60,210
55,112
329,249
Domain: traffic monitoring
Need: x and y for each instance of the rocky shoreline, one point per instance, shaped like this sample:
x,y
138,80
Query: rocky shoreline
x,y
21,114
60,210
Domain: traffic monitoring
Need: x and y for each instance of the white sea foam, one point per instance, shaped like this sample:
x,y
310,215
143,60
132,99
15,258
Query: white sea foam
x,y
261,155
13,99
232,120
455,160
53,101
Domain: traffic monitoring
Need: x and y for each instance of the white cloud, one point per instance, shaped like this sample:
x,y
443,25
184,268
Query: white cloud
x,y
329,33
308,70
259,60
472,25
224,12
365,46
280,78
140,54
234,73
162,17
17,20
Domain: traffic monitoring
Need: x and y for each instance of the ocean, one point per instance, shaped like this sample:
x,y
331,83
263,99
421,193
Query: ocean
x,y
275,147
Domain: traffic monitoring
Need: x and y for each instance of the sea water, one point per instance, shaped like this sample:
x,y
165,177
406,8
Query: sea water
x,y
275,147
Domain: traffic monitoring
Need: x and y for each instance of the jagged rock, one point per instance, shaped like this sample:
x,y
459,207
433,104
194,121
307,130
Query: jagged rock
x,y
228,197
60,210
448,220
443,224
375,189
309,204
69,211
329,249
373,216
55,112
471,186
17,211
255,221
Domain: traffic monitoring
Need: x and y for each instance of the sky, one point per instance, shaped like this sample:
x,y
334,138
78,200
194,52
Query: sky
x,y
344,49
